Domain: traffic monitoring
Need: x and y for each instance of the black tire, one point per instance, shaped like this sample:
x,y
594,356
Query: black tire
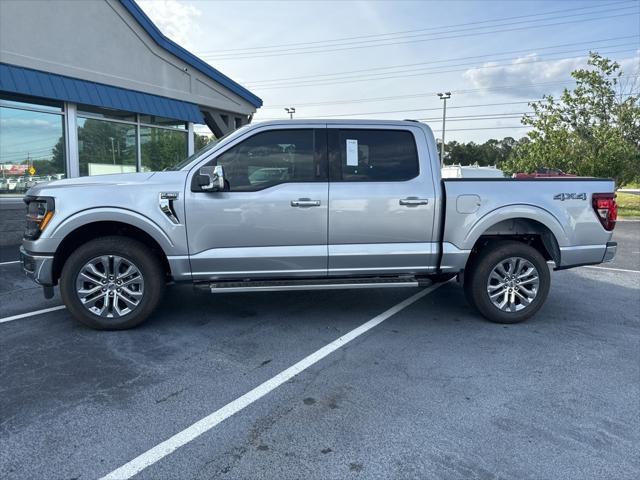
x,y
480,268
131,250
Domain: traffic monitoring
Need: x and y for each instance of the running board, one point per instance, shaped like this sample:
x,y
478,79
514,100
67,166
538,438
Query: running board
x,y
316,284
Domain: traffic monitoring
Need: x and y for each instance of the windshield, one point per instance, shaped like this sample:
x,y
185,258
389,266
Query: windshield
x,y
190,158
203,150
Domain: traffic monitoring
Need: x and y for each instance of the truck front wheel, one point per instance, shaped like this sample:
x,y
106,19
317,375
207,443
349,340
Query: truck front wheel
x,y
507,282
112,283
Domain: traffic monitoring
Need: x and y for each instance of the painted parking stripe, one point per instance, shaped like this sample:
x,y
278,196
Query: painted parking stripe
x,y
9,263
612,269
190,433
31,314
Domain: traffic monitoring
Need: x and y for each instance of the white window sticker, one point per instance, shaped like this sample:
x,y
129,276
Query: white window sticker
x,y
352,153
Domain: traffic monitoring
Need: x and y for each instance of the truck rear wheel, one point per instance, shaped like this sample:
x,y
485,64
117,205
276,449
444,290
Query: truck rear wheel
x,y
112,283
507,282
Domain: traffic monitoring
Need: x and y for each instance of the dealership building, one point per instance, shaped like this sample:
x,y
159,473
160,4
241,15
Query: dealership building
x,y
94,87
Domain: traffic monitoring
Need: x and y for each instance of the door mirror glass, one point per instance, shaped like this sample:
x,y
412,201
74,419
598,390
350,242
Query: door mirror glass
x,y
211,178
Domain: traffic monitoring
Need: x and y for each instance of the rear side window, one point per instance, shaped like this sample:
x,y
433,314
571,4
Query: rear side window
x,y
374,156
274,157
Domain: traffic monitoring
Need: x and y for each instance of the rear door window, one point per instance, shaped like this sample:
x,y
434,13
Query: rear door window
x,y
361,155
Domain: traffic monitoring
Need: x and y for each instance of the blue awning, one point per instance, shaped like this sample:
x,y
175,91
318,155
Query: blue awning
x,y
35,83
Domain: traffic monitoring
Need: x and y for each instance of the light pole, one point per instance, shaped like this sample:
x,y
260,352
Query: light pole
x,y
113,152
443,96
290,111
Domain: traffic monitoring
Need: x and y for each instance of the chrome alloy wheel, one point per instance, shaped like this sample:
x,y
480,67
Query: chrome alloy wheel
x,y
110,286
513,284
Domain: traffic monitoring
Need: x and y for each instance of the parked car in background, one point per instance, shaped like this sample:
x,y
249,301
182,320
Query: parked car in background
x,y
295,205
471,171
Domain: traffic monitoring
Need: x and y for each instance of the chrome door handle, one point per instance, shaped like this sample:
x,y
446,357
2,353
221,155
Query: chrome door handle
x,y
305,202
414,201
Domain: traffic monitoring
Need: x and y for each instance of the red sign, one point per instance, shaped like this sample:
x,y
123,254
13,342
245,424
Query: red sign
x,y
11,169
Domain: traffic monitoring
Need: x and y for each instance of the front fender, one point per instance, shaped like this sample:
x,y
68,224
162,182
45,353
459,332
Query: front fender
x,y
511,212
52,240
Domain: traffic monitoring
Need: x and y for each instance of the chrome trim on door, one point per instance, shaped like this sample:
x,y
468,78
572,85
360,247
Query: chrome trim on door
x,y
305,202
414,201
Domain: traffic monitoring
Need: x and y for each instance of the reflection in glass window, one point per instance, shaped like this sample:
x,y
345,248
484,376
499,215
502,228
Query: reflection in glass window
x,y
106,147
22,101
31,149
106,113
161,148
162,121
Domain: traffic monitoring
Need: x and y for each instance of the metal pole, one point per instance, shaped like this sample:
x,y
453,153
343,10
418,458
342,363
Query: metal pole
x,y
113,153
443,96
444,122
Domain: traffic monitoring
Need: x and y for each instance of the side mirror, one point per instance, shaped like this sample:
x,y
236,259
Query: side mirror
x,y
211,179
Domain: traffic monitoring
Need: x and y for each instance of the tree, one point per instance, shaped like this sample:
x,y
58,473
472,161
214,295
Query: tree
x,y
491,152
592,130
162,148
202,140
105,143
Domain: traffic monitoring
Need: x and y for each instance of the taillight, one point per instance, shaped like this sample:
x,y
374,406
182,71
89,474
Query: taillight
x,y
604,204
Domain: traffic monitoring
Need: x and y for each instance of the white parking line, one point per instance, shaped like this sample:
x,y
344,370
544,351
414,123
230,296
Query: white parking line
x,y
612,269
190,433
31,314
9,263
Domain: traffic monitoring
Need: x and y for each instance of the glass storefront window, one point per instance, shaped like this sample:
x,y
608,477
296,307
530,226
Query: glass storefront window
x,y
21,101
32,147
106,113
161,148
106,147
32,141
162,121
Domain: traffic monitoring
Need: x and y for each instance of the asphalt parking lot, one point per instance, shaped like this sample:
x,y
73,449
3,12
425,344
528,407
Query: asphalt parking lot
x,y
432,391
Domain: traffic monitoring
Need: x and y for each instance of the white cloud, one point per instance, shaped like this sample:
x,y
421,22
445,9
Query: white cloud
x,y
527,70
177,20
36,123
534,69
631,66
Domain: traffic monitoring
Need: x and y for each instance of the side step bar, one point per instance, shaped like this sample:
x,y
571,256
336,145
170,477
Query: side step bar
x,y
316,284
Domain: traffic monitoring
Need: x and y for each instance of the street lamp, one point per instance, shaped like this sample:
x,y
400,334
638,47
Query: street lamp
x,y
443,96
290,111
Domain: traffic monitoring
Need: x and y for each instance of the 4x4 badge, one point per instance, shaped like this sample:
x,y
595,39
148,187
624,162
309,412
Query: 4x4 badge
x,y
570,196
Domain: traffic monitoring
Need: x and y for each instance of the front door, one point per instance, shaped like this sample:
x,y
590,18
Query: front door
x,y
271,220
381,202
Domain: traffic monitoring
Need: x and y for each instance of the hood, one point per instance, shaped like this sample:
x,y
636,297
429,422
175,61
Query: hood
x,y
96,180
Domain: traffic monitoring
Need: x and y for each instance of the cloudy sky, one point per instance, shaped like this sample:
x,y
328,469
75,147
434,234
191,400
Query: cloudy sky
x,y
387,59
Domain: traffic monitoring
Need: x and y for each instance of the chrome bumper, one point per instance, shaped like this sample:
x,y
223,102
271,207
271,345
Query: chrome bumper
x,y
39,268
610,252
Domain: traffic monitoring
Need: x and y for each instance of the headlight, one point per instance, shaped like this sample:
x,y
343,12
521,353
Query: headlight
x,y
40,210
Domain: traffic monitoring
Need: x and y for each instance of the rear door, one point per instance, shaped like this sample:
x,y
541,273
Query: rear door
x,y
271,221
381,201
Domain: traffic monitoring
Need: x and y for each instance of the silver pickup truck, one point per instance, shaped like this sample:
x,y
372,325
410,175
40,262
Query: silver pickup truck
x,y
300,205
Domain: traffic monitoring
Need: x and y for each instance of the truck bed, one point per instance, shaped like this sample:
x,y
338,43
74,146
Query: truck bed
x,y
559,206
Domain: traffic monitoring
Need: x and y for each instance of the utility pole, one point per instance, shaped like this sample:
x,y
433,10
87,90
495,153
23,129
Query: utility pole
x,y
290,111
443,96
